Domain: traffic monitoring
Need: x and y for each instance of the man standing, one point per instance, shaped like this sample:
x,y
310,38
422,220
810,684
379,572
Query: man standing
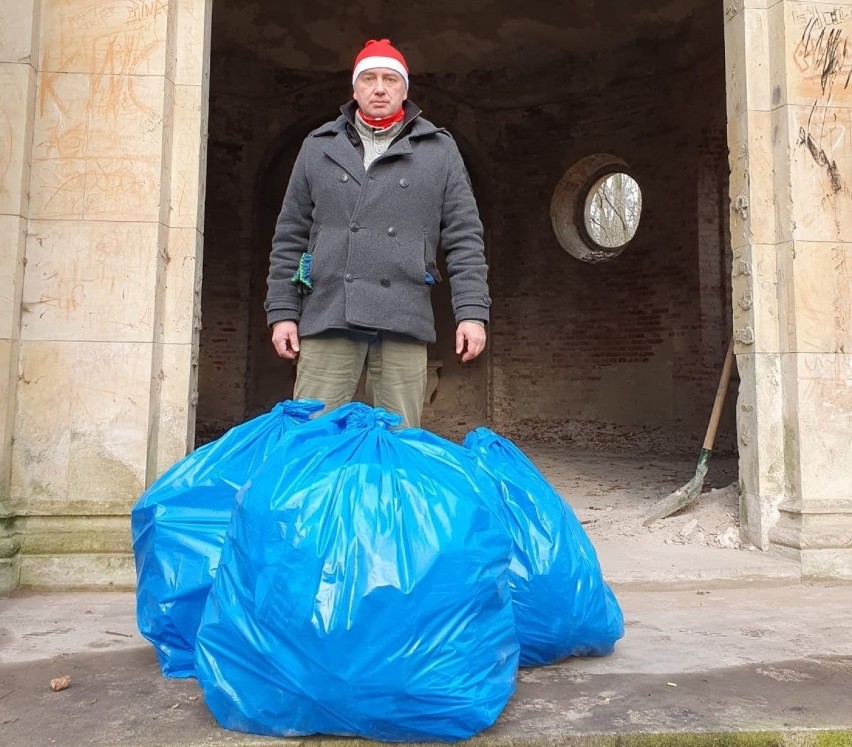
x,y
371,196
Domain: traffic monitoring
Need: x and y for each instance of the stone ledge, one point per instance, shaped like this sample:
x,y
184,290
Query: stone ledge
x,y
76,535
821,564
106,571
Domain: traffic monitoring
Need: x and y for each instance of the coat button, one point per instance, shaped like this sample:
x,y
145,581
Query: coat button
x,y
385,282
354,228
403,183
347,277
391,231
344,177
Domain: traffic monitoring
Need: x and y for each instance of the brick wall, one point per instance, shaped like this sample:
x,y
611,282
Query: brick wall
x,y
623,341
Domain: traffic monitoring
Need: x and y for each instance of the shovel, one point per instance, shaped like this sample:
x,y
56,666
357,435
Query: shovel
x,y
689,492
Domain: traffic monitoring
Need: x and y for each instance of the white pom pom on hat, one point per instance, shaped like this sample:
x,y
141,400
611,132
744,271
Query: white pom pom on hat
x,y
380,53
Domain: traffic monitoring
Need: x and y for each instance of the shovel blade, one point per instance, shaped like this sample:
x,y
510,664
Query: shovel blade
x,y
680,498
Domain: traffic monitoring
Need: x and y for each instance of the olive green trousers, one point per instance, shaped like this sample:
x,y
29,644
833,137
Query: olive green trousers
x,y
330,366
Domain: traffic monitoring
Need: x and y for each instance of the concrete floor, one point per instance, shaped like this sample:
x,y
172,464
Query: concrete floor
x,y
772,663
718,641
611,491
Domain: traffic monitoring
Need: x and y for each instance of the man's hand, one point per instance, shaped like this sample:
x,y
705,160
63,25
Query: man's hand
x,y
470,340
285,338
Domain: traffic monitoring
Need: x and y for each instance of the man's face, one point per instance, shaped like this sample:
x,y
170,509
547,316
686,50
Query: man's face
x,y
379,92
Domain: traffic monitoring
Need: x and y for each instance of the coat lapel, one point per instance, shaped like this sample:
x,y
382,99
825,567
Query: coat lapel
x,y
340,151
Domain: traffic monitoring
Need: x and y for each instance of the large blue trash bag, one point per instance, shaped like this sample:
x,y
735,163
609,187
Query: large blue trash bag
x,y
179,524
362,591
563,607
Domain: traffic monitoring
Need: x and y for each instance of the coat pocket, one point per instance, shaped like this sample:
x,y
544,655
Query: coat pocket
x,y
328,255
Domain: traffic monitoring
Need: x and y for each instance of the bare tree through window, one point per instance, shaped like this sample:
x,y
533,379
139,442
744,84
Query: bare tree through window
x,y
613,208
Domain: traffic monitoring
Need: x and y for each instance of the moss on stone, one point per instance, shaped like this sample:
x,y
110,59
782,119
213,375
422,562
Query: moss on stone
x,y
735,739
833,739
747,739
792,738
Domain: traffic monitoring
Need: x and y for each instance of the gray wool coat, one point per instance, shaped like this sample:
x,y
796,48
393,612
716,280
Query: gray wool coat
x,y
373,235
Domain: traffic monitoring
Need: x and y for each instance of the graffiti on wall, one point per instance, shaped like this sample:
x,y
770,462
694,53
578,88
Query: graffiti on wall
x,y
99,132
825,410
823,57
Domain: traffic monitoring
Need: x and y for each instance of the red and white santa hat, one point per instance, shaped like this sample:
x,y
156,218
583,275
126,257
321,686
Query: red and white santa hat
x,y
380,53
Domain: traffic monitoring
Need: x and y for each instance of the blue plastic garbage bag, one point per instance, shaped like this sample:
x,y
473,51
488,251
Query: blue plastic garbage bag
x,y
179,524
563,607
362,591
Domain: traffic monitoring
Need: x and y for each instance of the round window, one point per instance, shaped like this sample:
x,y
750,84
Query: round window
x,y
612,210
596,207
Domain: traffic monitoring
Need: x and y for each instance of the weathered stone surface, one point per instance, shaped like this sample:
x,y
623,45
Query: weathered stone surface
x,y
763,475
116,143
816,280
79,287
174,425
17,91
76,535
188,140
752,163
97,147
804,311
816,35
747,55
12,241
820,164
16,31
9,575
57,184
111,37
107,571
755,298
189,45
81,426
823,399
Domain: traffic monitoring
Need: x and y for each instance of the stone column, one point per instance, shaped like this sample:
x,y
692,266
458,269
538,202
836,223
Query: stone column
x,y
790,150
104,397
18,51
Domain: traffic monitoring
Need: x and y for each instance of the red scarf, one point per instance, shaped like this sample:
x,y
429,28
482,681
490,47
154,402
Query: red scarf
x,y
382,123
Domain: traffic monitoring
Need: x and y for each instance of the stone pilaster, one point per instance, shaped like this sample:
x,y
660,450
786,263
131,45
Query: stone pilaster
x,y
18,50
791,207
108,320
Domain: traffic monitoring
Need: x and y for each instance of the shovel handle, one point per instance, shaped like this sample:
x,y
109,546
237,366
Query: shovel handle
x,y
721,391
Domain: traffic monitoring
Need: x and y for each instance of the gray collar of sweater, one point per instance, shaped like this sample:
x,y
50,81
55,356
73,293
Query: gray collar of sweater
x,y
376,141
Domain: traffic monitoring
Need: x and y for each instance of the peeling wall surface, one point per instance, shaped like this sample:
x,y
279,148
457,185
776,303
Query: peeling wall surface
x,y
145,146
